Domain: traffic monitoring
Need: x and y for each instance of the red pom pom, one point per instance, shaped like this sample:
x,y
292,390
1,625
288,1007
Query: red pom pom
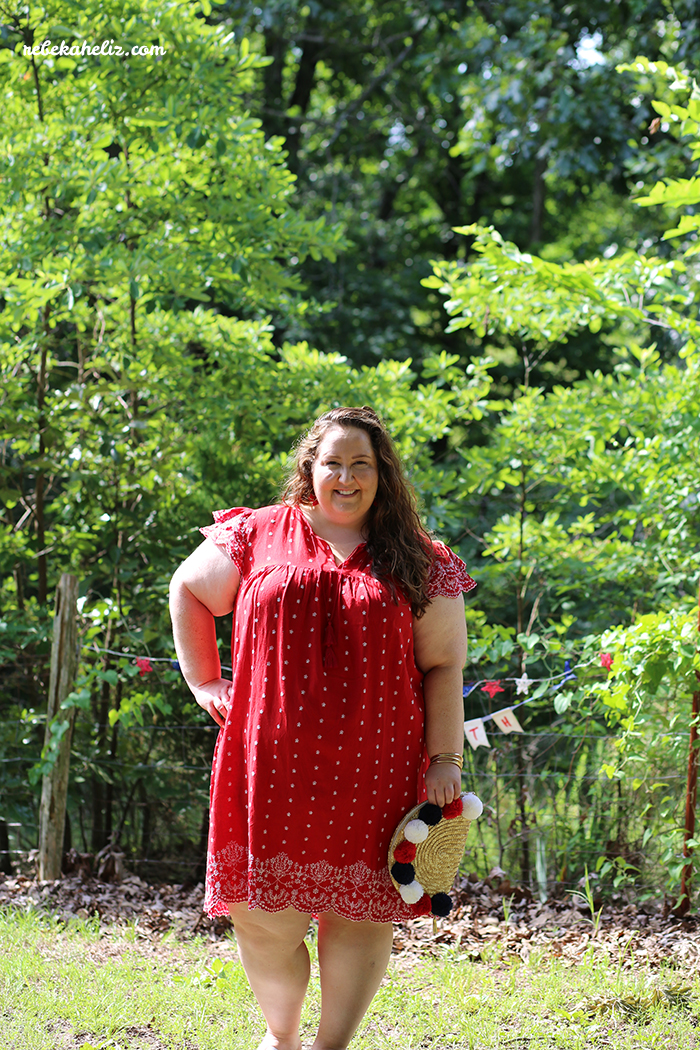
x,y
423,906
405,852
452,809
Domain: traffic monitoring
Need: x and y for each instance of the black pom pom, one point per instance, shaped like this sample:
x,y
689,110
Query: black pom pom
x,y
430,814
403,873
441,904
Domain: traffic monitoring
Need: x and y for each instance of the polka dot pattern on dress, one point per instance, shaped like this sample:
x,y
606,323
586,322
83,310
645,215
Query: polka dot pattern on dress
x,y
319,759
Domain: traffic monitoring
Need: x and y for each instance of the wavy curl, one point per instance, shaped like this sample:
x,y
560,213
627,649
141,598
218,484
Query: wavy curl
x,y
398,545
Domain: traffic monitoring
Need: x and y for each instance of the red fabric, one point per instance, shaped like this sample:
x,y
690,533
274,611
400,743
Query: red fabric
x,y
322,753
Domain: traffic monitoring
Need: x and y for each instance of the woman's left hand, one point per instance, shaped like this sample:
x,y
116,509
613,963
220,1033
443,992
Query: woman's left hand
x,y
443,783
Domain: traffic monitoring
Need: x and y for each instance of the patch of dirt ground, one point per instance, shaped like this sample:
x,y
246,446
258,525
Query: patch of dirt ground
x,y
486,912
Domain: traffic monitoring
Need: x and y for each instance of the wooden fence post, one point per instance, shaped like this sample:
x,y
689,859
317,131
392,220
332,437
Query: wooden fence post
x,y
54,789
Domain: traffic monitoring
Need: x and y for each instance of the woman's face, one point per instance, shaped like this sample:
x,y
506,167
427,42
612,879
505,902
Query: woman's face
x,y
345,476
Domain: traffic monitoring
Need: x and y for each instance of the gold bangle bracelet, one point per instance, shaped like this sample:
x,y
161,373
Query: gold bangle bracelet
x,y
448,754
447,761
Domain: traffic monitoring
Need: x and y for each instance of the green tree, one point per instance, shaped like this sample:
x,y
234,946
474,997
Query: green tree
x,y
406,121
146,227
583,502
131,188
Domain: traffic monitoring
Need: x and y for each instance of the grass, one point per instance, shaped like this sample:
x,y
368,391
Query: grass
x,y
65,986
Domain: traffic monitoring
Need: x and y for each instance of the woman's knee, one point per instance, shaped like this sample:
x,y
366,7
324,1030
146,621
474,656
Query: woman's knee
x,y
274,931
364,933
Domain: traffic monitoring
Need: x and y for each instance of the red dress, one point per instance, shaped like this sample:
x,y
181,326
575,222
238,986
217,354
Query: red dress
x,y
322,752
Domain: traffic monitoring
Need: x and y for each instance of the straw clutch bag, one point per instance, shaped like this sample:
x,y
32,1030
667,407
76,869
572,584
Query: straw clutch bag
x,y
426,849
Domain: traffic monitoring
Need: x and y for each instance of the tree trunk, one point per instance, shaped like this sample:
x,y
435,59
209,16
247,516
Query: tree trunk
x,y
145,807
109,790
538,188
525,866
273,119
64,665
39,489
306,75
99,832
99,838
67,834
691,797
5,858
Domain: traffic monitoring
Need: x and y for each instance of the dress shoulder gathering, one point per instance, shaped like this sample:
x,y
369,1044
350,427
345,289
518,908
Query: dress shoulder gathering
x,y
322,752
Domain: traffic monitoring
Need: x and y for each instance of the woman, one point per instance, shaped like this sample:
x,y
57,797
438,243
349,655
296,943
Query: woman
x,y
348,642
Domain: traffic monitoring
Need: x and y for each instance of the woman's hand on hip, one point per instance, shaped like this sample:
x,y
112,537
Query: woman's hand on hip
x,y
443,783
214,697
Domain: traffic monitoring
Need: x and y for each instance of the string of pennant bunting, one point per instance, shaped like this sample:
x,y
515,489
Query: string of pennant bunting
x,y
144,663
505,719
474,728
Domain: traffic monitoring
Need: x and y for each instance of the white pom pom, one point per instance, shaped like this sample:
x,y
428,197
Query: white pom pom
x,y
416,831
472,807
412,893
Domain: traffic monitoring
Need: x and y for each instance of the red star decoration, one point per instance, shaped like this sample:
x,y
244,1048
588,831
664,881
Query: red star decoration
x,y
492,687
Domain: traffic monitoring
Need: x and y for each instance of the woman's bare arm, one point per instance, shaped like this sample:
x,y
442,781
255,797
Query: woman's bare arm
x,y
203,587
440,646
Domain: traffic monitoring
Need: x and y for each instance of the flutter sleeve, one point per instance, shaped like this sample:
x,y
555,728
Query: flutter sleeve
x,y
448,574
231,530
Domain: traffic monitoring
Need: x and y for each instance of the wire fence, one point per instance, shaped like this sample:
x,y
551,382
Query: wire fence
x,y
549,812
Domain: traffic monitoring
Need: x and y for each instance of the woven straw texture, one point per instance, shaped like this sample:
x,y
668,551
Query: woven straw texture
x,y
437,858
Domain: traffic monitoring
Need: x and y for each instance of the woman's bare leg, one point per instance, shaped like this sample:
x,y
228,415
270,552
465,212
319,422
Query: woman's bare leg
x,y
353,958
276,962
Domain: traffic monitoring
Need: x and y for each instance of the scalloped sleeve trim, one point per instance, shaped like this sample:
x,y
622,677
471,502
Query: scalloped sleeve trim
x,y
231,530
448,574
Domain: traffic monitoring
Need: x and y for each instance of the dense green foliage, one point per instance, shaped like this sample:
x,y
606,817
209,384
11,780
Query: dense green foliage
x,y
585,502
130,409
406,120
197,255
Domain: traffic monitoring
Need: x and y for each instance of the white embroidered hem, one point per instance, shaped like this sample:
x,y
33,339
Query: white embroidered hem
x,y
354,892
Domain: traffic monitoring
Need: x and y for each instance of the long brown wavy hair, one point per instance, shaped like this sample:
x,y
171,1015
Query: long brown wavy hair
x,y
397,543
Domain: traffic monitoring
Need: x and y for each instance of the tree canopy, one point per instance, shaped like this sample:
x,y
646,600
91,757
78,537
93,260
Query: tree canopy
x,y
404,122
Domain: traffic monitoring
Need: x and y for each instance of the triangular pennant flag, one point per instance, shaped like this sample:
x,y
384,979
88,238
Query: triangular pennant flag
x,y
475,733
507,721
